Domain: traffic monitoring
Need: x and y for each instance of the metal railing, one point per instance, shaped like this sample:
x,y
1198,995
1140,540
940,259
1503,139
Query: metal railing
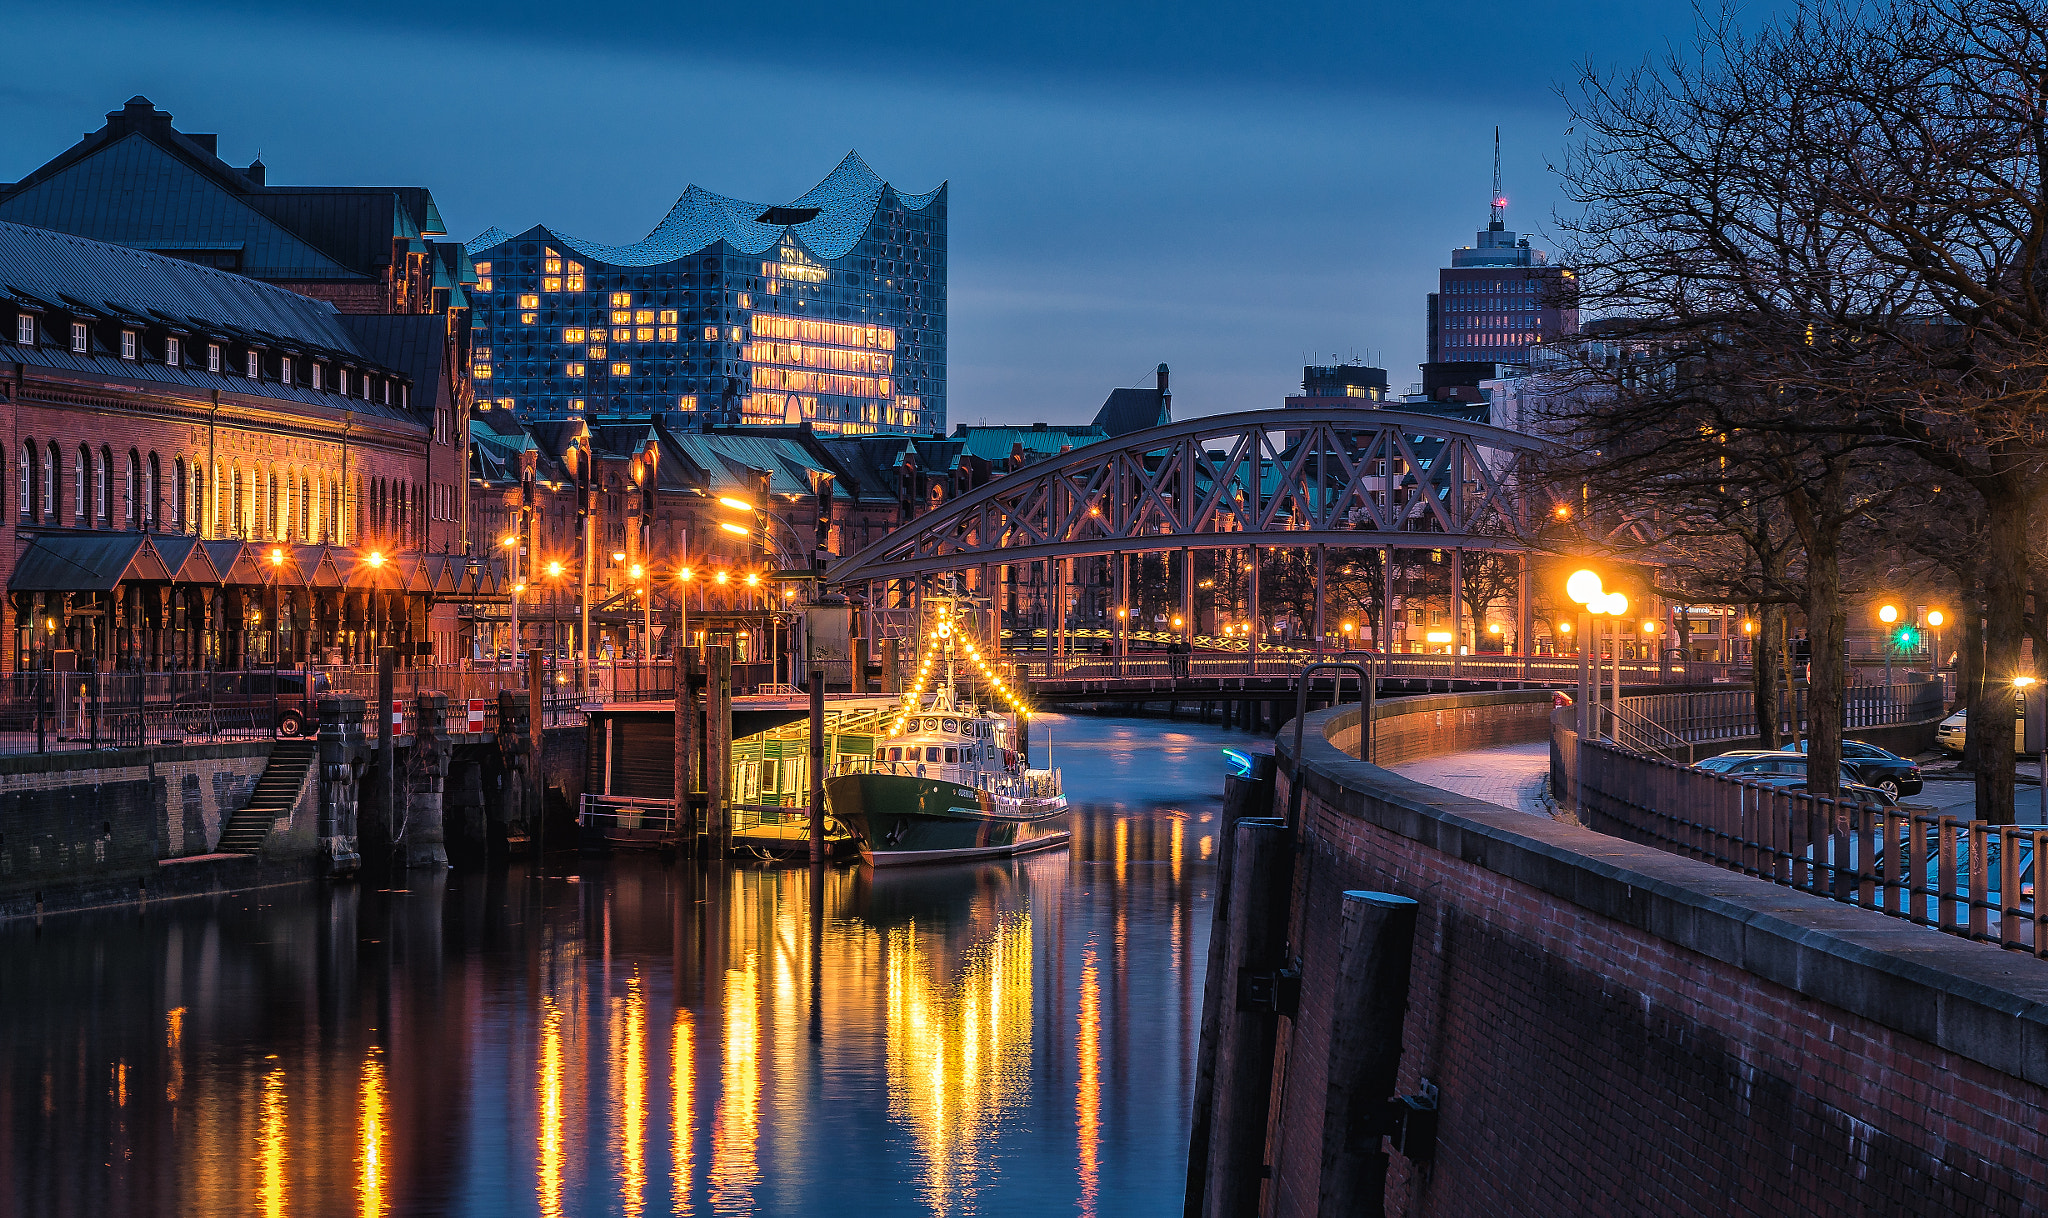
x,y
1708,716
1504,670
49,711
1966,878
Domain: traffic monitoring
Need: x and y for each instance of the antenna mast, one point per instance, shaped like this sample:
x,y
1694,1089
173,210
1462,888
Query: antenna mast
x,y
1500,201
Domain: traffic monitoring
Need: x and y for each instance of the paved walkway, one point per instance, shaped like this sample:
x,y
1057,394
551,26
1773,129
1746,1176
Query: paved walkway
x,y
1514,776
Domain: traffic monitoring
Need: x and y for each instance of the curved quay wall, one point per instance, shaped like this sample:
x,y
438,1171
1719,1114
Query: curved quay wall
x,y
1617,1030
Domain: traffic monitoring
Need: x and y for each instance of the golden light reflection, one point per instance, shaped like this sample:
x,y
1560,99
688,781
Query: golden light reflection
x,y
1088,1097
272,1189
959,1056
174,1042
683,1070
1177,846
370,1158
1123,849
629,1051
550,1088
734,1169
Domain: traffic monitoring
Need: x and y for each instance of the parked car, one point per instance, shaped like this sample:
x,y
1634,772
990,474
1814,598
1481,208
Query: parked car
x,y
240,700
1949,735
1756,765
1878,767
1869,796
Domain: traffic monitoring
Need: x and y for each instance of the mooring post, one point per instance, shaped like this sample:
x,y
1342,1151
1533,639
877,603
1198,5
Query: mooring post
x,y
384,821
683,823
1250,796
1257,995
1375,942
817,767
718,754
426,837
536,783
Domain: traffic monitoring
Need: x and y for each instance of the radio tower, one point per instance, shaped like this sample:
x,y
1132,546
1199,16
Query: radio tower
x,y
1500,201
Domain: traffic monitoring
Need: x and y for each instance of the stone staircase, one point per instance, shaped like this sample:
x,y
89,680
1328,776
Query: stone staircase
x,y
272,800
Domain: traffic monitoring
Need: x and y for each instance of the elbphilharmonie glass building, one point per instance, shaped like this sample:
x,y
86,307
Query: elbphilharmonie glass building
x,y
830,308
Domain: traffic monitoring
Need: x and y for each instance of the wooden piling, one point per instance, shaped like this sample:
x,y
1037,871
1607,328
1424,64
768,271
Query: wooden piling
x,y
1375,942
684,825
718,751
1261,883
536,785
817,767
1242,797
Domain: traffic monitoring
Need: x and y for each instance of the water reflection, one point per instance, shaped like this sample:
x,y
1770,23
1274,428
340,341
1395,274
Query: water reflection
x,y
1003,1039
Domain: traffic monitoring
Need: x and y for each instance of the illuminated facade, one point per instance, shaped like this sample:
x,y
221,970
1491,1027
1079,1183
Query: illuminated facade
x,y
830,310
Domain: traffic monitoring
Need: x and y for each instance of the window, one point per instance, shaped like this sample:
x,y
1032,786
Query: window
x,y
174,352
527,319
529,301
81,498
575,403
574,280
574,370
622,317
597,352
622,369
483,276
176,495
103,485
711,334
127,344
622,300
574,334
213,357
284,371
481,372
668,317
341,381
551,284
51,460
253,369
643,334
25,494
131,475
622,334
25,329
667,334
80,339
643,317
317,378
553,263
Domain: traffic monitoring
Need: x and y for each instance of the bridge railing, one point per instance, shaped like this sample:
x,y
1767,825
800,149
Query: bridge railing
x,y
1501,669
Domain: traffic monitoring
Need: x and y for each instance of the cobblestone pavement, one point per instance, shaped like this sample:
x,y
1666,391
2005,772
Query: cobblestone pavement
x,y
1511,775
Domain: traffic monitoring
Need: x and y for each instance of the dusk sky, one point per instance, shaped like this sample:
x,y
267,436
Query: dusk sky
x,y
1230,189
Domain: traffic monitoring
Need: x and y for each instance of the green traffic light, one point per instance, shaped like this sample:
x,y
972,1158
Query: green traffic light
x,y
1908,637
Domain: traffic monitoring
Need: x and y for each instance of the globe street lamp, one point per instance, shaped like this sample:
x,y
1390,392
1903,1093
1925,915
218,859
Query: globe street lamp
x,y
1888,614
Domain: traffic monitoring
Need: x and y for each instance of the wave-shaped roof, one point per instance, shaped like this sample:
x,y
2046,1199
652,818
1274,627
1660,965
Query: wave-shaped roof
x,y
845,202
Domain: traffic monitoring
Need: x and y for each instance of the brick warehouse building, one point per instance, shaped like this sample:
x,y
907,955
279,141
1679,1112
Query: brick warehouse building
x,y
202,469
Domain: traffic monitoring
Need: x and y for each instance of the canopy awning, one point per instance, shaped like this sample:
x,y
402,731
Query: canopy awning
x,y
80,563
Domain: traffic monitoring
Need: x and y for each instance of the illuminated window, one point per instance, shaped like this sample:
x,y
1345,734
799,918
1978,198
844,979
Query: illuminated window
x,y
527,319
622,369
622,317
572,335
483,276
735,335
575,403
643,317
597,352
687,402
711,334
481,372
552,284
667,334
529,302
668,317
622,300
746,301
574,281
574,369
622,334
643,334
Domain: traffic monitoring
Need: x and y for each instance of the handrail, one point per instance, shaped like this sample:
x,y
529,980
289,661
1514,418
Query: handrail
x,y
1367,691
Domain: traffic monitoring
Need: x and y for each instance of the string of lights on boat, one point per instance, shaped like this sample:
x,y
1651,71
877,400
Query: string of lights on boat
x,y
914,701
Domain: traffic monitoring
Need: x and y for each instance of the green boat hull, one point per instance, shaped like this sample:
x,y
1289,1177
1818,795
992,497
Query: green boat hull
x,y
899,819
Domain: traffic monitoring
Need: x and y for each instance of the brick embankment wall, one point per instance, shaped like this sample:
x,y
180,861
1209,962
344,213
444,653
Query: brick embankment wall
x,y
1617,1030
85,829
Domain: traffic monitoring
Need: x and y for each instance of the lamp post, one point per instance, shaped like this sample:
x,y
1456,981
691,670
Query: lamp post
x,y
1888,614
2034,721
1935,619
512,544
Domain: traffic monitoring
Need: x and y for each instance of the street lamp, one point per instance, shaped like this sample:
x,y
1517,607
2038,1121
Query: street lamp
x,y
511,542
1888,614
1935,619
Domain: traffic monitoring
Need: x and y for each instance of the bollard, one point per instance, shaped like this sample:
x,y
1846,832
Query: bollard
x,y
1258,993
1375,943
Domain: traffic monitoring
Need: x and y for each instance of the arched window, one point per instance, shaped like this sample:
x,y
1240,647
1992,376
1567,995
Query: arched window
x,y
26,494
177,495
103,487
51,508
194,515
305,508
152,485
235,500
81,486
131,475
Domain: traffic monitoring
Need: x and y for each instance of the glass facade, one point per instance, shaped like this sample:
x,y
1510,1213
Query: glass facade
x,y
830,309
1498,299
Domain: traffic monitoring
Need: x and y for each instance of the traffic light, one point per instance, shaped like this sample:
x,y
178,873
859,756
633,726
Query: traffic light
x,y
1906,638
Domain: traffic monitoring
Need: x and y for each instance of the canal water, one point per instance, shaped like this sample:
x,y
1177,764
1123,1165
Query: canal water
x,y
616,1036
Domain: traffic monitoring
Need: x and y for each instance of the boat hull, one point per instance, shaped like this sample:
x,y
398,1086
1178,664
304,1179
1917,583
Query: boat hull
x,y
900,820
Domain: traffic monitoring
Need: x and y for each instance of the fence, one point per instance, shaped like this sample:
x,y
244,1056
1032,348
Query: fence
x,y
1966,878
43,712
1501,670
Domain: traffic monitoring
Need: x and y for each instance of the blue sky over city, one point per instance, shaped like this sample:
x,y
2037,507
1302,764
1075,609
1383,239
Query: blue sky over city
x,y
1228,189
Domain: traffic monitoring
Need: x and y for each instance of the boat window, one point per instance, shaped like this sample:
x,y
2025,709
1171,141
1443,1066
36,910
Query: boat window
x,y
952,725
895,755
952,756
931,754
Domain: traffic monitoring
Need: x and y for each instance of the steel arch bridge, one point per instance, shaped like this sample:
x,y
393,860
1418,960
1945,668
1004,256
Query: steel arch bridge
x,y
1334,477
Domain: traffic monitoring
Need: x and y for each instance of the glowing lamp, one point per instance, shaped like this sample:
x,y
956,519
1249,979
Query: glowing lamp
x,y
2023,682
720,577
276,556
730,527
1888,614
1564,627
1650,627
636,569
554,568
1934,617
686,574
1583,587
511,539
376,558
753,580
1617,604
737,505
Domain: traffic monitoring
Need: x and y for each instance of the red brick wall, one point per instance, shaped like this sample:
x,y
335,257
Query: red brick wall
x,y
1621,1052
